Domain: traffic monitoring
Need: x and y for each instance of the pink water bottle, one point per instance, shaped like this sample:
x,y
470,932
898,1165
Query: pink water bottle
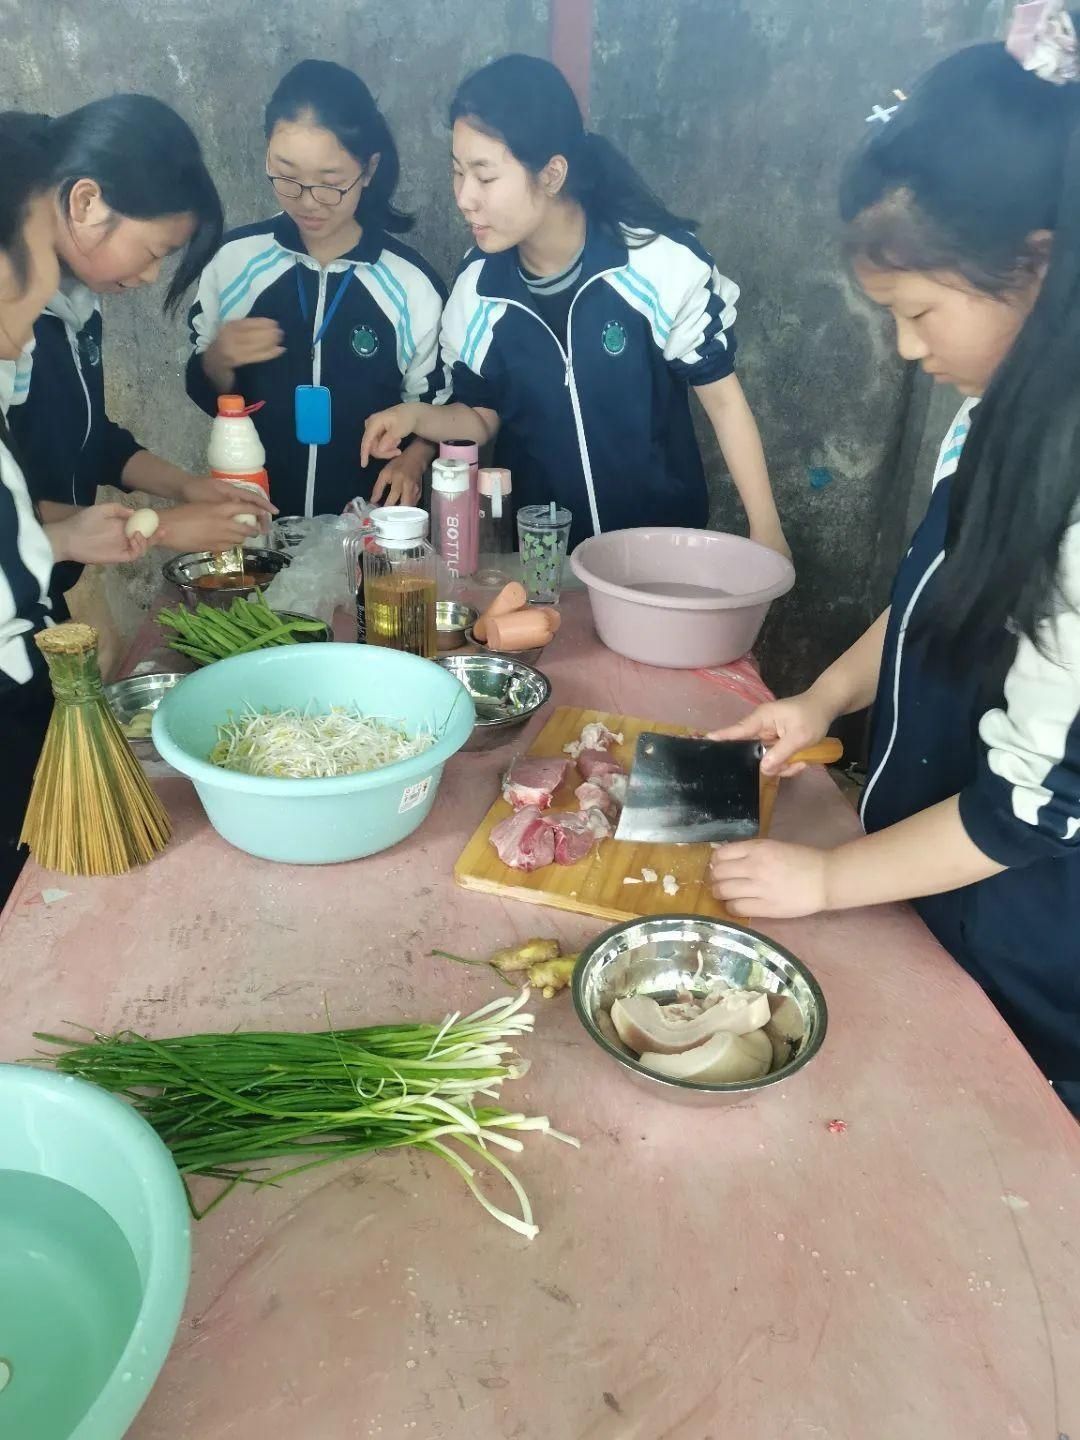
x,y
454,516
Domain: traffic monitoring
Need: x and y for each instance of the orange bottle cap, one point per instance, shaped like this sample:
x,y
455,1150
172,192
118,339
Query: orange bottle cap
x,y
233,406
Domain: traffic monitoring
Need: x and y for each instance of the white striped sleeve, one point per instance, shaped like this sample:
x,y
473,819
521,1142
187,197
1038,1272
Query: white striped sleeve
x,y
1025,801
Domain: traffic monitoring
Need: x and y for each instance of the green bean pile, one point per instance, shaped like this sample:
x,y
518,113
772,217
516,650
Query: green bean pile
x,y
206,634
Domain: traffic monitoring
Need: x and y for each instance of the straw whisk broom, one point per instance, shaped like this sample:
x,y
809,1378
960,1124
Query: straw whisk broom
x,y
91,809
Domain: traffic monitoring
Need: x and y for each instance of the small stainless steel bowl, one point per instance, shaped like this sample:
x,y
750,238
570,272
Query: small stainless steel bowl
x,y
505,691
529,657
139,692
452,623
659,957
184,571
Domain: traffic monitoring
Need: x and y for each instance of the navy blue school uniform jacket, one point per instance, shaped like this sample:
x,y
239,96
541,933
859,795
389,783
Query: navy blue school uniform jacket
x,y
25,697
598,417
1006,739
380,348
59,426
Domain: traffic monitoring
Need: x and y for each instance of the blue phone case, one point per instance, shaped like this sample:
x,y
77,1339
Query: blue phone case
x,y
312,414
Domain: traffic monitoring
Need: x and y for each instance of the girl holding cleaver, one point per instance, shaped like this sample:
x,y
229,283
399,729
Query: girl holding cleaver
x,y
963,221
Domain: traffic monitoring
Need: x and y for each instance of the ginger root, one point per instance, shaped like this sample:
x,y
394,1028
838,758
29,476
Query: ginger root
x,y
550,976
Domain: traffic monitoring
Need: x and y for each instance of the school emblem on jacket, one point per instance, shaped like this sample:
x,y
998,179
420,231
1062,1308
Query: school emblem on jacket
x,y
364,341
92,350
613,337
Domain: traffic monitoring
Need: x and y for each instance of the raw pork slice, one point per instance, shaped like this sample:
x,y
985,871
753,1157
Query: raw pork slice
x,y
594,763
592,796
533,781
594,736
575,834
615,785
524,840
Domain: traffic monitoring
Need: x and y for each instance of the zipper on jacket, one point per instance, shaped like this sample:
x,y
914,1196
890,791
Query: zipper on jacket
x,y
316,374
571,384
73,342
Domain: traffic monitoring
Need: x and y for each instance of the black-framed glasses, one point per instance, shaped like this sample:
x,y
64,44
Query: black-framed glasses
x,y
323,194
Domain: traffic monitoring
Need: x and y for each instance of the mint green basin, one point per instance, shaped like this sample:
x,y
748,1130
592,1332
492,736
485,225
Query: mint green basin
x,y
95,1257
316,822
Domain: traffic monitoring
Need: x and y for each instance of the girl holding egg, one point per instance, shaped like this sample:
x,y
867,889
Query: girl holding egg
x,y
579,322
321,311
29,275
130,189
963,221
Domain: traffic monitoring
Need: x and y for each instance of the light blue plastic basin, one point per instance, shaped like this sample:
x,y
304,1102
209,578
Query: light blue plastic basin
x,y
95,1258
316,822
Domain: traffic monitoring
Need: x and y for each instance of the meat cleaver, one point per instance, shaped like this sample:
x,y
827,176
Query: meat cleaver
x,y
685,791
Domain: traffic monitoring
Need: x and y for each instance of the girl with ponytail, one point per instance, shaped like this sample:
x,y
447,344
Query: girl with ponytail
x,y
131,191
579,321
963,220
321,311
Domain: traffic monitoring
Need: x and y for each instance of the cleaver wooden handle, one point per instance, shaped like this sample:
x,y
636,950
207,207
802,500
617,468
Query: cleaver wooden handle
x,y
825,752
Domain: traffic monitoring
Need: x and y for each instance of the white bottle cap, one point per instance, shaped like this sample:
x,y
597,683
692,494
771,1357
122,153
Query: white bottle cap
x,y
400,524
450,477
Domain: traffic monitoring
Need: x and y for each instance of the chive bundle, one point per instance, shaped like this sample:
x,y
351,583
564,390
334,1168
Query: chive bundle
x,y
206,634
226,1104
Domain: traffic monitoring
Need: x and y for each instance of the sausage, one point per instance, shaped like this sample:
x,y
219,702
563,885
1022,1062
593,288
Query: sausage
x,y
521,631
510,598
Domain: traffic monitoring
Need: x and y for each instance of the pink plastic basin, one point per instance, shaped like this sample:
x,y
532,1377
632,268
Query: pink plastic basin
x,y
679,598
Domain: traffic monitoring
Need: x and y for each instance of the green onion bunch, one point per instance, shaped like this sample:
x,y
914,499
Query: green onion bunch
x,y
229,1105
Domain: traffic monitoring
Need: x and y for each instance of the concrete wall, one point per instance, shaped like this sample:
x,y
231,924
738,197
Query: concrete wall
x,y
738,111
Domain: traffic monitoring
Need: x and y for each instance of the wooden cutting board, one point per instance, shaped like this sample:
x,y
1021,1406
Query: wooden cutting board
x,y
596,885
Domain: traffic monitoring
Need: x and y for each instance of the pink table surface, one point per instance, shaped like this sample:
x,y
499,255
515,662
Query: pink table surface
x,y
732,1274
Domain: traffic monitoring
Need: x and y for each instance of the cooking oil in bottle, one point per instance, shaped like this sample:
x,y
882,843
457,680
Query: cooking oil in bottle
x,y
400,587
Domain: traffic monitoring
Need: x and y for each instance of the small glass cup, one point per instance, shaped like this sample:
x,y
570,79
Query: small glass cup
x,y
543,534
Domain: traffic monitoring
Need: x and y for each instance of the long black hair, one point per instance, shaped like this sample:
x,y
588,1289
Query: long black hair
x,y
148,163
527,104
338,100
980,159
25,174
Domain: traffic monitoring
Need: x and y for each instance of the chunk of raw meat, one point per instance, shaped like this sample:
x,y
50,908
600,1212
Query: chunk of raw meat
x,y
615,785
594,763
599,823
593,796
574,833
533,781
524,840
594,736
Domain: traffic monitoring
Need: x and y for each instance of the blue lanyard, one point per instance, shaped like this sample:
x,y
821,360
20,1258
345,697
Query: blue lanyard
x,y
331,312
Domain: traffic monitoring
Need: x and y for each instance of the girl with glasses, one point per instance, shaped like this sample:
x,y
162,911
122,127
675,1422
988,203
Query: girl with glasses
x,y
321,311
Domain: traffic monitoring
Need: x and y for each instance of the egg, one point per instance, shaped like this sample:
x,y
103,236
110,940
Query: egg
x,y
142,522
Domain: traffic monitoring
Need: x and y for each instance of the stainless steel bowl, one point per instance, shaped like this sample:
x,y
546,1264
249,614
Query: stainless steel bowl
x,y
659,957
506,693
139,692
529,657
184,570
452,622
